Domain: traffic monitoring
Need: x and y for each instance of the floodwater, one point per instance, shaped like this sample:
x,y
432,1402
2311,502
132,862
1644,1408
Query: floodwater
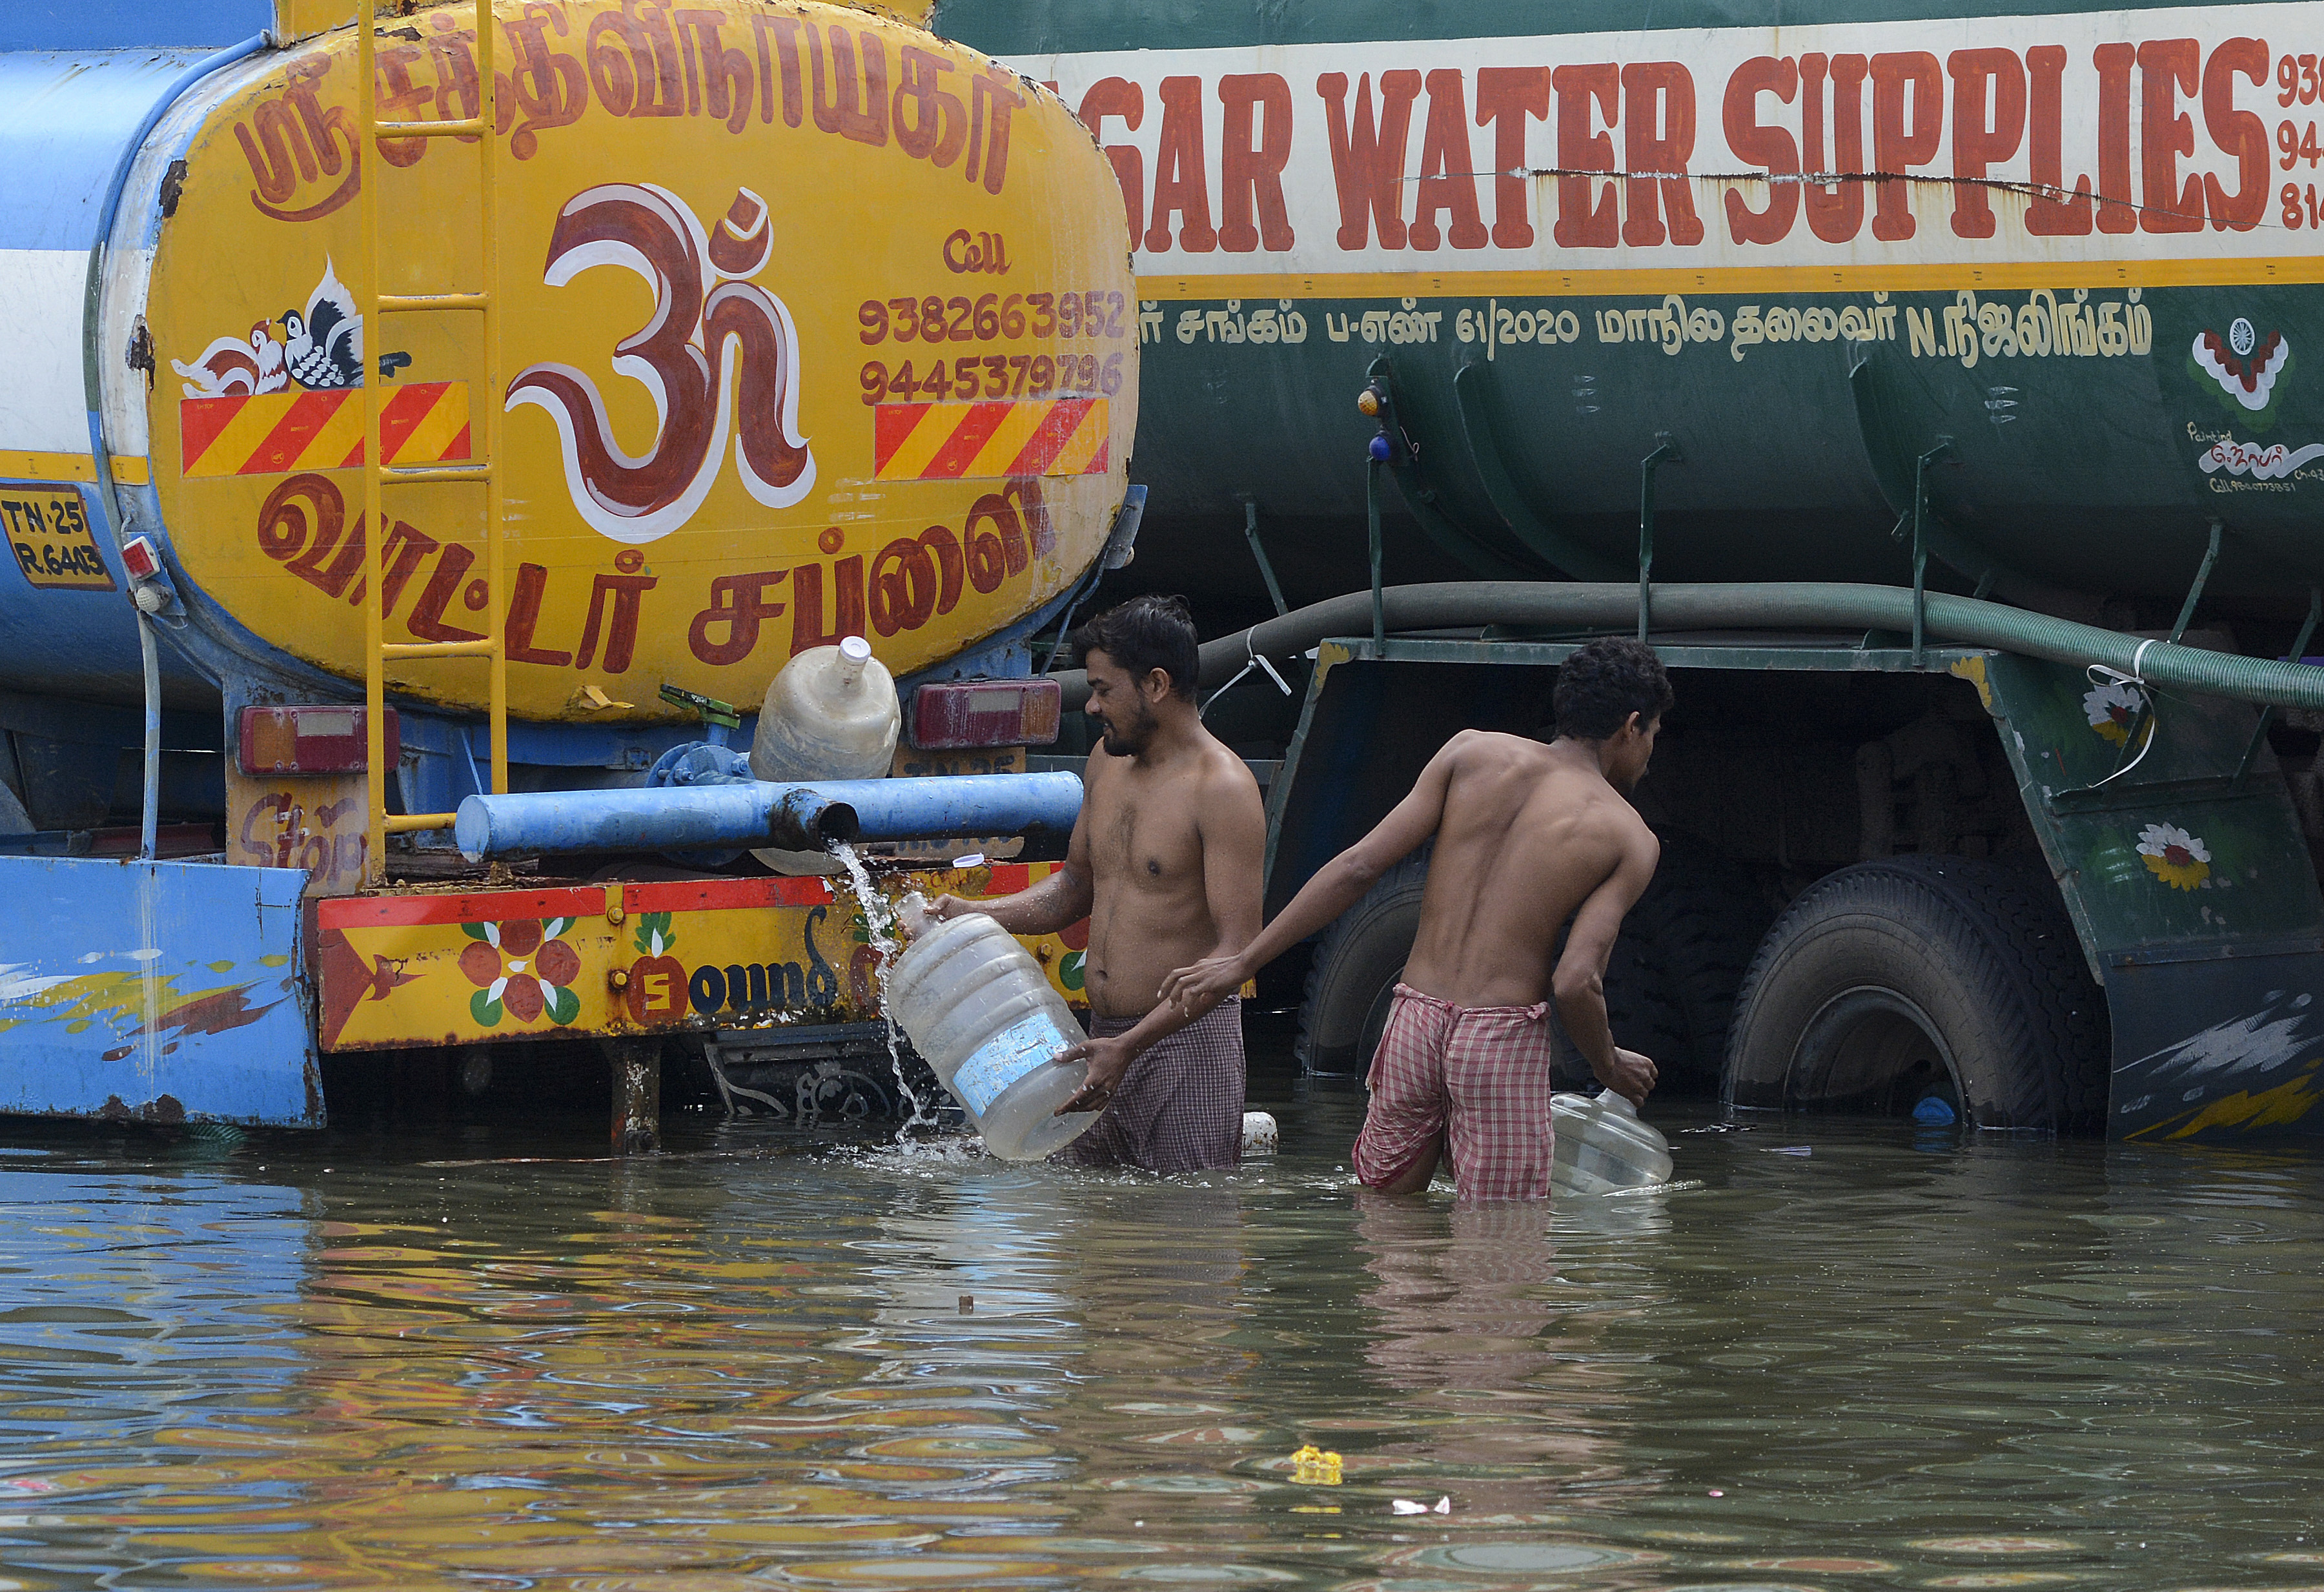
x,y
1845,1356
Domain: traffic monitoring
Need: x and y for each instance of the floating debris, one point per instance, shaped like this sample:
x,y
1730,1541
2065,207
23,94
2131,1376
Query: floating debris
x,y
1316,1467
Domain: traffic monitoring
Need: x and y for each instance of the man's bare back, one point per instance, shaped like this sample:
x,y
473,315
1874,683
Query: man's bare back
x,y
1529,839
1527,835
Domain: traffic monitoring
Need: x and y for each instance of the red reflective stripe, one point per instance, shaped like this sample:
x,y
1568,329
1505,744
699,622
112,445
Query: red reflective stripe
x,y
288,442
199,421
1057,427
968,439
725,895
1008,878
703,895
892,424
400,416
354,912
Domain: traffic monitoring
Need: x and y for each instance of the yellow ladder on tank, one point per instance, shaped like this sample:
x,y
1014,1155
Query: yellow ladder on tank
x,y
483,471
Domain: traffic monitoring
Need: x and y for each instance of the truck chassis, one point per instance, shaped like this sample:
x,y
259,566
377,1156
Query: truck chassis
x,y
1887,877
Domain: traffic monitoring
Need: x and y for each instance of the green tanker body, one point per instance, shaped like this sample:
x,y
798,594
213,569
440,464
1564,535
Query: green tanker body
x,y
1992,323
2079,243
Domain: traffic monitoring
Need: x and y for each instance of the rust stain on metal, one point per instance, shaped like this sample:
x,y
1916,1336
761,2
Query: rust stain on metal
x,y
165,1108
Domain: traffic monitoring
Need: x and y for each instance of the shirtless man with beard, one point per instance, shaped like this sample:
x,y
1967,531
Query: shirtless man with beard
x,y
1165,863
1528,838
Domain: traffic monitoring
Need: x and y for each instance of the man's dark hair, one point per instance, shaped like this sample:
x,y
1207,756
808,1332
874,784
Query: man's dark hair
x,y
1145,633
1604,683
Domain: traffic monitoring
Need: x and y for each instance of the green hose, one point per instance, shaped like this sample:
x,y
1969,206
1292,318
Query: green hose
x,y
1775,606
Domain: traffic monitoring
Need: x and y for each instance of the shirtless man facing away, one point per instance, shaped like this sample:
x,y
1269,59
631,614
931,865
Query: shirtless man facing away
x,y
1527,836
1165,862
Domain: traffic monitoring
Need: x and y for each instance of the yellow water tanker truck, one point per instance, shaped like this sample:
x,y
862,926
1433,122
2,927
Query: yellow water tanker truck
x,y
412,402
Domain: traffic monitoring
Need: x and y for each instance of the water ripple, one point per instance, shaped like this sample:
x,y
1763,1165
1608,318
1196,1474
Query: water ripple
x,y
455,1359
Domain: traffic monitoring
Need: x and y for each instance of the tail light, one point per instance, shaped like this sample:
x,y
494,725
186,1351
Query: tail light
x,y
138,556
317,738
962,714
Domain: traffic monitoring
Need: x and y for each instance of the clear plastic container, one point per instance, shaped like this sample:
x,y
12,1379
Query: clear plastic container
x,y
830,714
1602,1147
981,1013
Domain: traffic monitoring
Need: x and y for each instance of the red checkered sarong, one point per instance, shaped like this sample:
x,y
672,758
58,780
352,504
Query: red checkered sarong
x,y
1478,1076
1179,1108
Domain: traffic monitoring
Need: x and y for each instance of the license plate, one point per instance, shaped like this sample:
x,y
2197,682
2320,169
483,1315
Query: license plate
x,y
47,528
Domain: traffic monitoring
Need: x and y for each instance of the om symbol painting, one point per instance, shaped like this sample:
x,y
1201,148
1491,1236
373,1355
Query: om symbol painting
x,y
713,332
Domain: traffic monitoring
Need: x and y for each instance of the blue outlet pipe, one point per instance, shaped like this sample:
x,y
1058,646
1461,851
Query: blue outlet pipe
x,y
1041,807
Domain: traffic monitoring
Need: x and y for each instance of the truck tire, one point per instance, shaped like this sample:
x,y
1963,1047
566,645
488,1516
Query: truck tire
x,y
1356,965
1889,982
1671,981
1642,1010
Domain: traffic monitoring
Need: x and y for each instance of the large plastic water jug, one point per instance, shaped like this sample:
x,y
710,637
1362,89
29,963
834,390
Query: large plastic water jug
x,y
830,714
981,1013
1603,1147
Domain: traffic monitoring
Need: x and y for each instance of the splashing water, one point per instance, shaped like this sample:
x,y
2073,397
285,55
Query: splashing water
x,y
879,922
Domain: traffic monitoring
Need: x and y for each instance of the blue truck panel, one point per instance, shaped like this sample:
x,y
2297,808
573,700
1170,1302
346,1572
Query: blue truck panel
x,y
69,122
155,991
120,24
64,119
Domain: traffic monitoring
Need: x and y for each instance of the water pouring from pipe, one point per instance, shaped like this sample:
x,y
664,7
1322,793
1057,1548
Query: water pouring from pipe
x,y
879,924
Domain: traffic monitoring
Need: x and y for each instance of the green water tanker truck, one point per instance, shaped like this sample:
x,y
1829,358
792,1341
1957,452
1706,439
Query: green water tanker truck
x,y
1937,387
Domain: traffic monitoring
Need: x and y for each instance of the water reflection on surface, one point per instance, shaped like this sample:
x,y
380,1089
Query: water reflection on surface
x,y
413,1359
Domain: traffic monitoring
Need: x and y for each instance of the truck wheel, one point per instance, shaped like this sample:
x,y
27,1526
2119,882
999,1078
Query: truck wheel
x,y
1641,1010
1352,979
1671,981
1890,981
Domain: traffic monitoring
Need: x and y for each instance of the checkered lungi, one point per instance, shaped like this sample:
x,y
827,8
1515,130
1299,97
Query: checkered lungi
x,y
1179,1107
1479,1076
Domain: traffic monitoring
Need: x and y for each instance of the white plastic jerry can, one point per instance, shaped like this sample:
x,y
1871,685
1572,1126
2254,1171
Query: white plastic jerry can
x,y
1600,1145
830,714
982,1015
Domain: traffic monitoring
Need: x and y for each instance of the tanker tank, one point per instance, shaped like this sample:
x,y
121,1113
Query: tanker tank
x,y
2057,270
810,323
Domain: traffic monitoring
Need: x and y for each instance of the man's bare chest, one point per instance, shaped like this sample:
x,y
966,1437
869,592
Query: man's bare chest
x,y
1146,838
